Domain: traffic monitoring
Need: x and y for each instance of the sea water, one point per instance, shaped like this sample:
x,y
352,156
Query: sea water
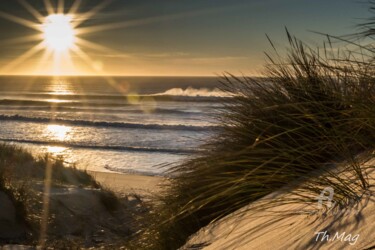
x,y
139,125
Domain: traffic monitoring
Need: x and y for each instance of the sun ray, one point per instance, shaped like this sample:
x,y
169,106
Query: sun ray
x,y
46,55
92,45
126,24
21,21
82,55
23,39
49,7
69,62
143,21
56,63
24,56
87,59
84,17
60,7
74,8
32,10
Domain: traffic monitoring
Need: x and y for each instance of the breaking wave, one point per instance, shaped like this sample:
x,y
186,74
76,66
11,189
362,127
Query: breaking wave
x,y
104,147
193,92
106,124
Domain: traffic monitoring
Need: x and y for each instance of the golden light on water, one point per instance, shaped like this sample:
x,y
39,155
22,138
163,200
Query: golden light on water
x,y
55,149
60,87
56,101
58,132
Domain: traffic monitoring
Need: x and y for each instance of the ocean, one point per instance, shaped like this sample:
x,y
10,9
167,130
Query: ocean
x,y
141,125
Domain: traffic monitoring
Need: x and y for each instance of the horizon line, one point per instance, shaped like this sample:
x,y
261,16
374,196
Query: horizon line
x,y
116,75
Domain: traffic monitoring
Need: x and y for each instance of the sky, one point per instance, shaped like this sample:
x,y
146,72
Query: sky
x,y
171,38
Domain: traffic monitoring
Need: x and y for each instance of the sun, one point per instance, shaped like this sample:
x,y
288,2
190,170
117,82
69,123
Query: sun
x,y
58,32
58,36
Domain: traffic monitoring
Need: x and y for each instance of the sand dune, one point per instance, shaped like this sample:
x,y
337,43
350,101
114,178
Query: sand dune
x,y
290,228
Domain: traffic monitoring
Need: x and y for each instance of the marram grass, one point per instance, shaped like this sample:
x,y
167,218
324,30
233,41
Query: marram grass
x,y
289,130
21,176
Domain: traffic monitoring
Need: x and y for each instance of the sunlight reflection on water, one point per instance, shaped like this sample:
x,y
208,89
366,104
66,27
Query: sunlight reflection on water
x,y
56,101
60,132
55,149
60,86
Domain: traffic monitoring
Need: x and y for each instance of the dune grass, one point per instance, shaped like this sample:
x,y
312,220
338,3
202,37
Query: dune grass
x,y
16,162
23,178
314,110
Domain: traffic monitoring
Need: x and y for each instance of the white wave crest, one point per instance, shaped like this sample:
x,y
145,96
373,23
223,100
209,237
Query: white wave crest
x,y
193,92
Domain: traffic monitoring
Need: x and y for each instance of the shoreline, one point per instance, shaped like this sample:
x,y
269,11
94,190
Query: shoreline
x,y
123,183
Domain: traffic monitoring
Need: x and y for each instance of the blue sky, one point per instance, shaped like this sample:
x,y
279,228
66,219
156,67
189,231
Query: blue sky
x,y
200,37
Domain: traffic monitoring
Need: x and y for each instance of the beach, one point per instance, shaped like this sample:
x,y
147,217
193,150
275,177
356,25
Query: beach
x,y
132,125
130,183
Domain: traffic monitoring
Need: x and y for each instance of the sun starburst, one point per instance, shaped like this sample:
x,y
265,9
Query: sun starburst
x,y
55,35
59,35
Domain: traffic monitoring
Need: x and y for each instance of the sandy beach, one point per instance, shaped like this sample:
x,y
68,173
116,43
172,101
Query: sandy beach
x,y
129,183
